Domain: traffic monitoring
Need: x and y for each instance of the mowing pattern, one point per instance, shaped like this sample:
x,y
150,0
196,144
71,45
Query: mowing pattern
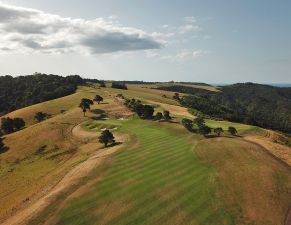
x,y
155,180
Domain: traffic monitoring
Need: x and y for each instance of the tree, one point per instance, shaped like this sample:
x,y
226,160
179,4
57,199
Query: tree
x,y
40,116
159,116
98,99
232,130
204,130
147,112
102,83
199,121
1,144
167,115
176,96
18,123
85,104
106,137
7,125
188,124
218,131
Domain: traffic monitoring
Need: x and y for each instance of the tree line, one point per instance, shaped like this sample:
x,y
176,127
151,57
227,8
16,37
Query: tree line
x,y
255,104
145,111
22,91
198,126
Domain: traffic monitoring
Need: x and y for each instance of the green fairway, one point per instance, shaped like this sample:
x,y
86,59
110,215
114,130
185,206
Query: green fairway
x,y
156,178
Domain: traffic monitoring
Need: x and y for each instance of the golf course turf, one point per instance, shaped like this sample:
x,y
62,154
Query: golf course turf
x,y
156,178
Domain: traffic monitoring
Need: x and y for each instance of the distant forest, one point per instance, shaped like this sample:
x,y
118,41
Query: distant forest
x,y
22,91
262,105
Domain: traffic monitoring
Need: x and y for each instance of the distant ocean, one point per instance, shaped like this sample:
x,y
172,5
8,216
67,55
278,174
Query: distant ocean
x,y
275,85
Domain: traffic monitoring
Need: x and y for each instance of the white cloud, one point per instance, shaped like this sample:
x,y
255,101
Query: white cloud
x,y
30,30
185,55
190,19
188,28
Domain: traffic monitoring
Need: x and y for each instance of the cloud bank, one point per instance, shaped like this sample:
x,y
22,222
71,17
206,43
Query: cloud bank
x,y
28,30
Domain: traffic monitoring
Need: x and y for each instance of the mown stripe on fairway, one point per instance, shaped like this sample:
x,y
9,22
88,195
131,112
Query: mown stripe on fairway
x,y
159,180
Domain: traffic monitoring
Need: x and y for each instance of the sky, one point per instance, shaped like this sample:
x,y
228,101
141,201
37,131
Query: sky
x,y
225,41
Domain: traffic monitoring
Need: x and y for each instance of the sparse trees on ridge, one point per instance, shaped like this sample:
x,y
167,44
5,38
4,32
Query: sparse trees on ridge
x,y
106,137
85,105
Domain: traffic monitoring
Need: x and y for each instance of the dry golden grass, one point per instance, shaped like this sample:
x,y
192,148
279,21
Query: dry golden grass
x,y
252,184
208,88
40,155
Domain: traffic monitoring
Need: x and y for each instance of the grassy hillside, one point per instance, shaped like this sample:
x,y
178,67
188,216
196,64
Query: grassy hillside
x,y
162,174
165,174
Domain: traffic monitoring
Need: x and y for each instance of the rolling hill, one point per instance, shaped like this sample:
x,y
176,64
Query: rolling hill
x,y
56,171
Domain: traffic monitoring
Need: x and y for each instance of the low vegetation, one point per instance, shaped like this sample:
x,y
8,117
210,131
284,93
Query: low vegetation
x,y
119,85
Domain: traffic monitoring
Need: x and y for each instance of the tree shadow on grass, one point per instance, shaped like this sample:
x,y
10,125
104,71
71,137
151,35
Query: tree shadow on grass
x,y
97,111
111,145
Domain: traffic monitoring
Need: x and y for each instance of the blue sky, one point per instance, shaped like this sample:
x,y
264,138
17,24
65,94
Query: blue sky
x,y
200,41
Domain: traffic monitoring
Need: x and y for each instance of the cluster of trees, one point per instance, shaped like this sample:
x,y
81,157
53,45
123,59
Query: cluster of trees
x,y
198,126
255,104
22,91
9,125
146,111
119,85
86,103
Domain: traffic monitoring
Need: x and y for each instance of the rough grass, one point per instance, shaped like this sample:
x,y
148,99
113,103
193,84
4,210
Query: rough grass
x,y
256,189
41,154
155,179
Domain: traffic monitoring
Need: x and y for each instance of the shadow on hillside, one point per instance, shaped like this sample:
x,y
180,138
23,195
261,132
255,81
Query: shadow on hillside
x,y
102,116
111,145
97,111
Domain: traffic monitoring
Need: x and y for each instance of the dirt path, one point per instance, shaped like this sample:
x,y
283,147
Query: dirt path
x,y
70,179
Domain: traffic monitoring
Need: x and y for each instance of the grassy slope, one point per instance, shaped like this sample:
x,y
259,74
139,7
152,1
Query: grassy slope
x,y
158,180
28,168
31,173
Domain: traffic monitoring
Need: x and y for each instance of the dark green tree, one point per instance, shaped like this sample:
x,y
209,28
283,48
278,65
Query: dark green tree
x,y
167,115
199,121
106,137
40,116
85,104
18,123
98,99
204,130
147,112
218,131
1,144
7,125
159,116
232,130
188,124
